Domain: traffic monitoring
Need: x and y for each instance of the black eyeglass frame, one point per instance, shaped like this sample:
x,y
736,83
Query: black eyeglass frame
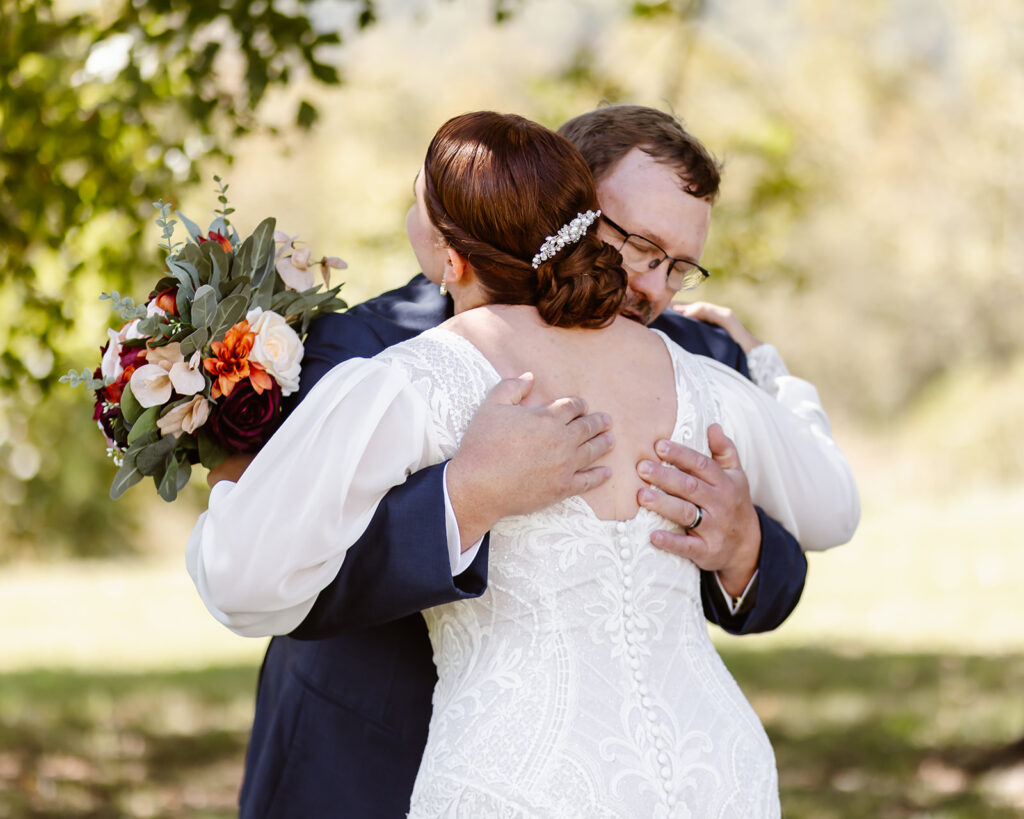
x,y
656,263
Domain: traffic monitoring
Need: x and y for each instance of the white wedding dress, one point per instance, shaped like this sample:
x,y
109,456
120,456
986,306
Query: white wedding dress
x,y
583,682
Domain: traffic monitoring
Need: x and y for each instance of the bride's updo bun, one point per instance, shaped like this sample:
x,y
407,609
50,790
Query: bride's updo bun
x,y
497,185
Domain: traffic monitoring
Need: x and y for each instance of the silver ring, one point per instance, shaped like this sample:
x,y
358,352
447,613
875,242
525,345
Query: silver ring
x,y
698,519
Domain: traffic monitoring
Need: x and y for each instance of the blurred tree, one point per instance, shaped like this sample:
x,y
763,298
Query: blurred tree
x,y
102,113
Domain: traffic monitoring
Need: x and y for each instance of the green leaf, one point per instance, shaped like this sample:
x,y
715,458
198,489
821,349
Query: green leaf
x,y
128,475
211,453
152,459
263,250
176,475
190,226
131,409
307,115
219,265
229,313
204,307
144,424
195,341
184,304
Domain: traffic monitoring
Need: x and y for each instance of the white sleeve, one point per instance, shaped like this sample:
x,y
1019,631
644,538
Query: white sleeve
x,y
268,545
769,372
796,472
460,560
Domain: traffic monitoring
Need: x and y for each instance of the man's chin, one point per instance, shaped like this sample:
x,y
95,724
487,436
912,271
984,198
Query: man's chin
x,y
640,315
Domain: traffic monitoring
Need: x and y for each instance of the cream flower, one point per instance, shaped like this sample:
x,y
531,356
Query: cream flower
x,y
277,348
187,417
295,270
110,367
167,372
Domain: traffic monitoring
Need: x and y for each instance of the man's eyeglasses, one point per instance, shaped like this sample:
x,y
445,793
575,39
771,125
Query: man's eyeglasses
x,y
640,254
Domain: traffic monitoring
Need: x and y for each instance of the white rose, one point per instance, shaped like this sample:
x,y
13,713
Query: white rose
x,y
277,348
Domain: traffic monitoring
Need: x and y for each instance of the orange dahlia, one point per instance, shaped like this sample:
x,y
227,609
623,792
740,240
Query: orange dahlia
x,y
230,363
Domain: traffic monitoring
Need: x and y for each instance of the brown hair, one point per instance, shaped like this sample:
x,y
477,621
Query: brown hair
x,y
607,134
497,185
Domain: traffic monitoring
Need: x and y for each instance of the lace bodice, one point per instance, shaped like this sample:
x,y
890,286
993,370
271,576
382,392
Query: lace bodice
x,y
583,682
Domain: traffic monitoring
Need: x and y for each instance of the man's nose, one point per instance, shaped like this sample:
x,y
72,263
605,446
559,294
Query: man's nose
x,y
650,283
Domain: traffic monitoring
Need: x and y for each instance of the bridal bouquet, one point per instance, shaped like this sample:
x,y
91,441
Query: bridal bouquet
x,y
198,372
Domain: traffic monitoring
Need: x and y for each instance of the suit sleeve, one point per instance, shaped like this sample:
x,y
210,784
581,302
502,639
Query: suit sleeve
x,y
781,575
400,565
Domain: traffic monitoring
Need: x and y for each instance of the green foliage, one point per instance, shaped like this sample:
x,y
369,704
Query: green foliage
x,y
101,112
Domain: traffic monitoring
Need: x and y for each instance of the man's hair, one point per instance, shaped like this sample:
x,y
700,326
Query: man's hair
x,y
607,134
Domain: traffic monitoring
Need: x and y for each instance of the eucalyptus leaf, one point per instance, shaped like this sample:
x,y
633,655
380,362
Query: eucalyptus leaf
x,y
211,453
219,265
173,479
184,305
185,272
195,341
153,458
128,475
241,284
190,253
131,409
263,250
190,226
229,313
144,424
204,307
203,267
243,257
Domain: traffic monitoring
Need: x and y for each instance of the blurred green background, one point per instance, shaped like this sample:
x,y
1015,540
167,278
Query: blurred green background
x,y
870,226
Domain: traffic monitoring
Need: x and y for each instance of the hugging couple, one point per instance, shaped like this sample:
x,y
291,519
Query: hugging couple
x,y
488,539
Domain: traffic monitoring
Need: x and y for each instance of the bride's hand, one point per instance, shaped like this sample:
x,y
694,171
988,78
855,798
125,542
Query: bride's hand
x,y
229,470
514,460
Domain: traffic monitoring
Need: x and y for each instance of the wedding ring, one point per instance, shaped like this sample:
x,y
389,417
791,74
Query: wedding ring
x,y
697,519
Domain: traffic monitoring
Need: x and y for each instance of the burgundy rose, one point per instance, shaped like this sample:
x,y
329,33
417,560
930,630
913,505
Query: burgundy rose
x,y
244,420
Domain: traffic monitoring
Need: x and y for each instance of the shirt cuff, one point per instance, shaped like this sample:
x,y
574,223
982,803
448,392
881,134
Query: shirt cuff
x,y
736,603
460,560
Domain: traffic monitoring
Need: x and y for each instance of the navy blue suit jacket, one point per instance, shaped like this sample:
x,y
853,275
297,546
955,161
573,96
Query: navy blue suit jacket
x,y
343,703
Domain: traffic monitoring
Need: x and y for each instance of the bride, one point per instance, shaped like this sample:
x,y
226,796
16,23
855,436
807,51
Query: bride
x,y
583,682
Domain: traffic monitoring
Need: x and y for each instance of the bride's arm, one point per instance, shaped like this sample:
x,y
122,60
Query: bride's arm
x,y
268,544
797,473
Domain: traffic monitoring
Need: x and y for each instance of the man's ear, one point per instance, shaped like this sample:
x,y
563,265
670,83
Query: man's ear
x,y
456,266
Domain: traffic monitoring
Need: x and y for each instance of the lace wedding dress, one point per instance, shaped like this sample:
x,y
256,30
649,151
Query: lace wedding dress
x,y
583,682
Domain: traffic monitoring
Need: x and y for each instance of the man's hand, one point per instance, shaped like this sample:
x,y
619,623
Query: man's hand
x,y
728,539
514,460
230,469
722,317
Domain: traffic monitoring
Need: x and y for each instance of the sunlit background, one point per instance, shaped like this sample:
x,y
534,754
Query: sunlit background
x,y
871,226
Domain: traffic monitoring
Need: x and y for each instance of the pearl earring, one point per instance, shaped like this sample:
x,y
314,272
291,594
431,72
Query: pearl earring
x,y
444,287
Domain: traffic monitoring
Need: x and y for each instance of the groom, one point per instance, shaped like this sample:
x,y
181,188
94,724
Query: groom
x,y
344,701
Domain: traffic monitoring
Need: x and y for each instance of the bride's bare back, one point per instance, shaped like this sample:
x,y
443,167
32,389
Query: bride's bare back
x,y
623,370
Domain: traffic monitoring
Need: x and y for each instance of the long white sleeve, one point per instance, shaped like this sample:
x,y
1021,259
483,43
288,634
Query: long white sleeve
x,y
796,472
270,543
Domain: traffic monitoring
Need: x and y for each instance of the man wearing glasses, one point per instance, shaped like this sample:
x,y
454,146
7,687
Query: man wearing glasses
x,y
656,184
344,701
